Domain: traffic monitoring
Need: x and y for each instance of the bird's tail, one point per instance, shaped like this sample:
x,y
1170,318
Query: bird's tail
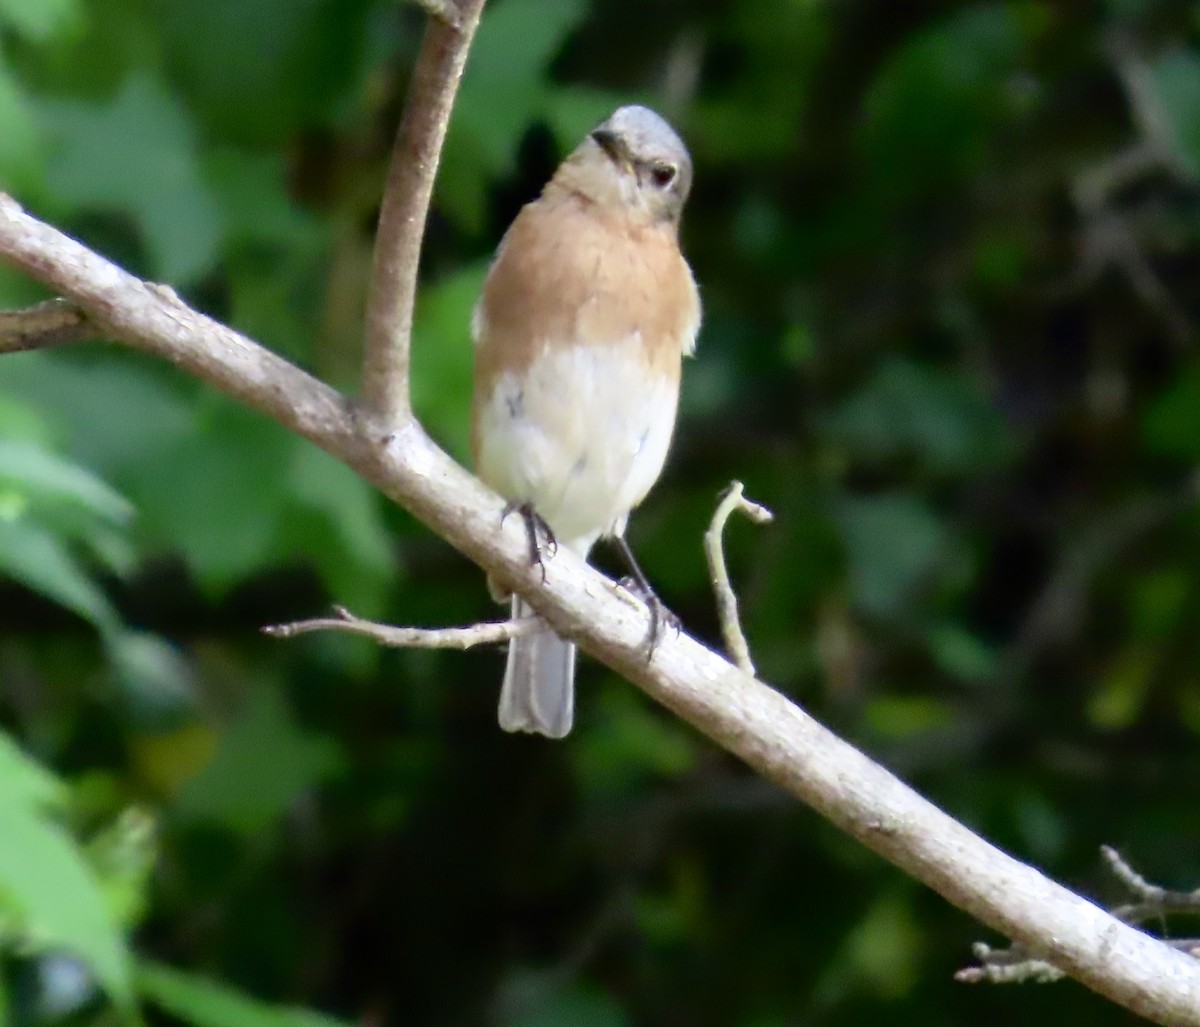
x,y
538,693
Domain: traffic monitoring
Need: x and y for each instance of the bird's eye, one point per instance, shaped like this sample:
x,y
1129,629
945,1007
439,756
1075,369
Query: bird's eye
x,y
662,175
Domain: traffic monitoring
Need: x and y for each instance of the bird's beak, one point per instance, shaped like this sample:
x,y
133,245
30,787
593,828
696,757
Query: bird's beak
x,y
611,143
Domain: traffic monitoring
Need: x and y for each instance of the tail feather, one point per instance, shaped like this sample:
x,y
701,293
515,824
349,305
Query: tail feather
x,y
538,694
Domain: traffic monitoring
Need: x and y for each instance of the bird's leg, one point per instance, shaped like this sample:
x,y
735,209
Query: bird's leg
x,y
638,582
537,531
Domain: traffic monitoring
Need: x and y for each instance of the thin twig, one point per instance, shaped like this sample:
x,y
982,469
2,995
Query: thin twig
x,y
489,633
1013,965
1153,902
53,323
1017,963
1108,235
405,206
714,550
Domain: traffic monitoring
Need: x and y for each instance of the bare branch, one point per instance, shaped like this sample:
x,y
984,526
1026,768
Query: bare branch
x,y
53,323
714,550
1018,964
1145,108
1013,965
491,633
405,207
748,718
1153,902
1108,234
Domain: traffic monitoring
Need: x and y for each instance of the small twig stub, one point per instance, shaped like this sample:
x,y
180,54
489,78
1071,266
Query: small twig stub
x,y
53,323
714,550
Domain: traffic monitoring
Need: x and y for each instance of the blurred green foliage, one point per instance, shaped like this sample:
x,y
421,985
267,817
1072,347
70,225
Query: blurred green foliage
x,y
950,257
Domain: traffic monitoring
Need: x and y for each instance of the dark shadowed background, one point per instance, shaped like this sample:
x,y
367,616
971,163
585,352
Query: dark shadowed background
x,y
950,261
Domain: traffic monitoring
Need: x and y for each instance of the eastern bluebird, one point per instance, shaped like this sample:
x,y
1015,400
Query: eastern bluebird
x,y
585,316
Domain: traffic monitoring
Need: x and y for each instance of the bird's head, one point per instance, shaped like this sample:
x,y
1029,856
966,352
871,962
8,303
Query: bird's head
x,y
633,160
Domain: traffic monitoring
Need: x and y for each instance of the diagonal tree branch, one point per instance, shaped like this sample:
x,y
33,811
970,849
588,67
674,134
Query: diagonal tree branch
x,y
773,735
405,206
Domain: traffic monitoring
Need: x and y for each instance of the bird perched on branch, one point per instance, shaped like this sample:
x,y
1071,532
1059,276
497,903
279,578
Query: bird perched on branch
x,y
586,314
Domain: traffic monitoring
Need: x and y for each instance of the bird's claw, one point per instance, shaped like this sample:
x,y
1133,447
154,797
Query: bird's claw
x,y
539,534
661,616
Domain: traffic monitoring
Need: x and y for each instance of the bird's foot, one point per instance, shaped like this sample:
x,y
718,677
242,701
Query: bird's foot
x,y
638,584
662,617
537,531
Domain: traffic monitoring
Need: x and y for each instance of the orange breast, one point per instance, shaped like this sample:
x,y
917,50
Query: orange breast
x,y
568,273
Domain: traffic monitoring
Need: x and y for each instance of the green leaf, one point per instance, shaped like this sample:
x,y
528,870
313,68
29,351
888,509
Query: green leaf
x,y
903,716
219,495
276,259
883,950
122,856
751,117
22,420
253,193
1171,426
153,677
572,111
346,537
258,73
39,20
265,762
579,1007
1175,80
442,357
1158,603
204,1003
48,478
65,501
960,653
58,903
1119,698
39,561
25,782
894,545
500,97
629,742
83,395
1044,827
94,164
935,105
20,146
937,417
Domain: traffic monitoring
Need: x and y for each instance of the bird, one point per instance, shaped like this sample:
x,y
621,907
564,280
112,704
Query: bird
x,y
586,313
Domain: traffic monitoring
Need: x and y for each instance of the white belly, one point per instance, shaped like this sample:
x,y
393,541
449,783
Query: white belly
x,y
583,436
